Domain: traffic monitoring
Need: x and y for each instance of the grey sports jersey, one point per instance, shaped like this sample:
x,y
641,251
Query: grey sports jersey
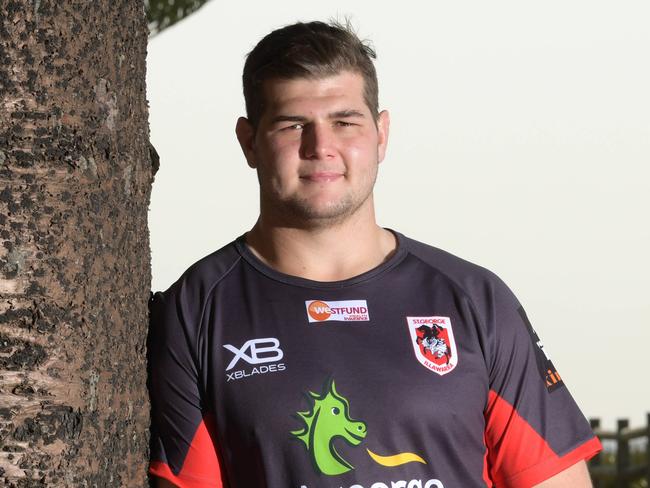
x,y
423,372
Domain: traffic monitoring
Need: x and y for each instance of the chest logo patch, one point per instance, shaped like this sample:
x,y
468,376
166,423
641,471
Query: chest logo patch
x,y
254,352
433,343
328,419
342,311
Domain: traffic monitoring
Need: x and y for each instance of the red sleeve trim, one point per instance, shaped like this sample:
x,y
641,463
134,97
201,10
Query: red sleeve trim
x,y
201,467
517,455
551,467
161,470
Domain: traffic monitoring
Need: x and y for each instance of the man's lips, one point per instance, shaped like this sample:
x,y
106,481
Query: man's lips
x,y
322,176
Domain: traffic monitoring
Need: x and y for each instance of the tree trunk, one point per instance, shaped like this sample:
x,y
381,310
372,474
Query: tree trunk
x,y
75,181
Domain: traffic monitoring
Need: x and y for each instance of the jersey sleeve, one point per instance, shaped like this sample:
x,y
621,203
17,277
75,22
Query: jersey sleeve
x,y
534,429
183,441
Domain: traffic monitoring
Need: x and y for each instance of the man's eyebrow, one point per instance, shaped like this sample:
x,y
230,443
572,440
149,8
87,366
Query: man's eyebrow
x,y
341,114
288,118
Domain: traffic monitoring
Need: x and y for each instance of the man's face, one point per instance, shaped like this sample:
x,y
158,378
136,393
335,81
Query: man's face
x,y
316,148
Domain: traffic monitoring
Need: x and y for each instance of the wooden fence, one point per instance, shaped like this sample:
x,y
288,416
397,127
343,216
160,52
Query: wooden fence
x,y
624,461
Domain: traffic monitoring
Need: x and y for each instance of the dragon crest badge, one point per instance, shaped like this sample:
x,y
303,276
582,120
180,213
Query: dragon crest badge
x,y
433,343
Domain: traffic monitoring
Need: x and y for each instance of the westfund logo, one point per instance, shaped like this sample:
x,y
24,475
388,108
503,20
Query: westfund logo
x,y
342,311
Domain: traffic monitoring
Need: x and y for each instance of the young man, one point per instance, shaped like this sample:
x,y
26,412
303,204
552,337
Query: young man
x,y
321,350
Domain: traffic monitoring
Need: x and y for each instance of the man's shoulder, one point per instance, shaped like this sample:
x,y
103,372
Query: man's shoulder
x,y
447,263
475,280
201,276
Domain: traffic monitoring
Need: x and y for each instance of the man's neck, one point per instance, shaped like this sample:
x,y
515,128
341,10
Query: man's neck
x,y
331,253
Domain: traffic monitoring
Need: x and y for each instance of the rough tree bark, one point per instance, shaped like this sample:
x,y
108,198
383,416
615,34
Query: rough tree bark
x,y
75,180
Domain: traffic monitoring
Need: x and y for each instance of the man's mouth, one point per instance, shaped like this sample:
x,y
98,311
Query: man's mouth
x,y
322,176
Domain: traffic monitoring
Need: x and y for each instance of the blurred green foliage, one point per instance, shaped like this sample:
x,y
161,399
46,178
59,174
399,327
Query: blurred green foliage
x,y
164,13
608,458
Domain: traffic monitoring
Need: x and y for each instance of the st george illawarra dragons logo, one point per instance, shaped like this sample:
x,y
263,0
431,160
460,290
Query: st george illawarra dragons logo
x,y
328,420
433,343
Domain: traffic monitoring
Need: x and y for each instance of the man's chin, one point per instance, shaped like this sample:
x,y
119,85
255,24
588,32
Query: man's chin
x,y
314,212
326,213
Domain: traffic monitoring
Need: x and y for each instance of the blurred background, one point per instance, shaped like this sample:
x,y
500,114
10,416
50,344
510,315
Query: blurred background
x,y
520,140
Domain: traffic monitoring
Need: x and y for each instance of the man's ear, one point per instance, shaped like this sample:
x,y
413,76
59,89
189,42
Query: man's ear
x,y
383,124
246,137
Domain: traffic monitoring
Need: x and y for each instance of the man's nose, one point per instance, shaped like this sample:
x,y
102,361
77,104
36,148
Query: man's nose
x,y
317,142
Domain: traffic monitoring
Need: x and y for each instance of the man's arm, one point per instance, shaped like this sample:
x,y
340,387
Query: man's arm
x,y
524,447
177,418
576,476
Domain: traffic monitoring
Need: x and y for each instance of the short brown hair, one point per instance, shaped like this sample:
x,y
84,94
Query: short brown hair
x,y
308,50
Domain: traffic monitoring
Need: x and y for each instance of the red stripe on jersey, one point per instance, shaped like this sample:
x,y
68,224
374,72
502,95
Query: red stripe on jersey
x,y
201,466
518,456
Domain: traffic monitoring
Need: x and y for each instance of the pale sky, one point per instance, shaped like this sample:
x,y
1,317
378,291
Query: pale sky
x,y
520,140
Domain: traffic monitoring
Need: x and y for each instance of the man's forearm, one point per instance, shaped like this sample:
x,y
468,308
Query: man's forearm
x,y
576,476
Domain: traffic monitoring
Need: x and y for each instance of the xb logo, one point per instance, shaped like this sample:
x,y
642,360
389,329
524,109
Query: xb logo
x,y
262,351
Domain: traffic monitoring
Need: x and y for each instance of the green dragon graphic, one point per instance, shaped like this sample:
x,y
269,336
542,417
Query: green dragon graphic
x,y
327,420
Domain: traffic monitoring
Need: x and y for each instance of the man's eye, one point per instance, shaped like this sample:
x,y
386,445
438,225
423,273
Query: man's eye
x,y
343,123
294,127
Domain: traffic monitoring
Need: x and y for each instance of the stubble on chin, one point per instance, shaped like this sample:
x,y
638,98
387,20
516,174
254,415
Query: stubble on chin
x,y
303,213
334,212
